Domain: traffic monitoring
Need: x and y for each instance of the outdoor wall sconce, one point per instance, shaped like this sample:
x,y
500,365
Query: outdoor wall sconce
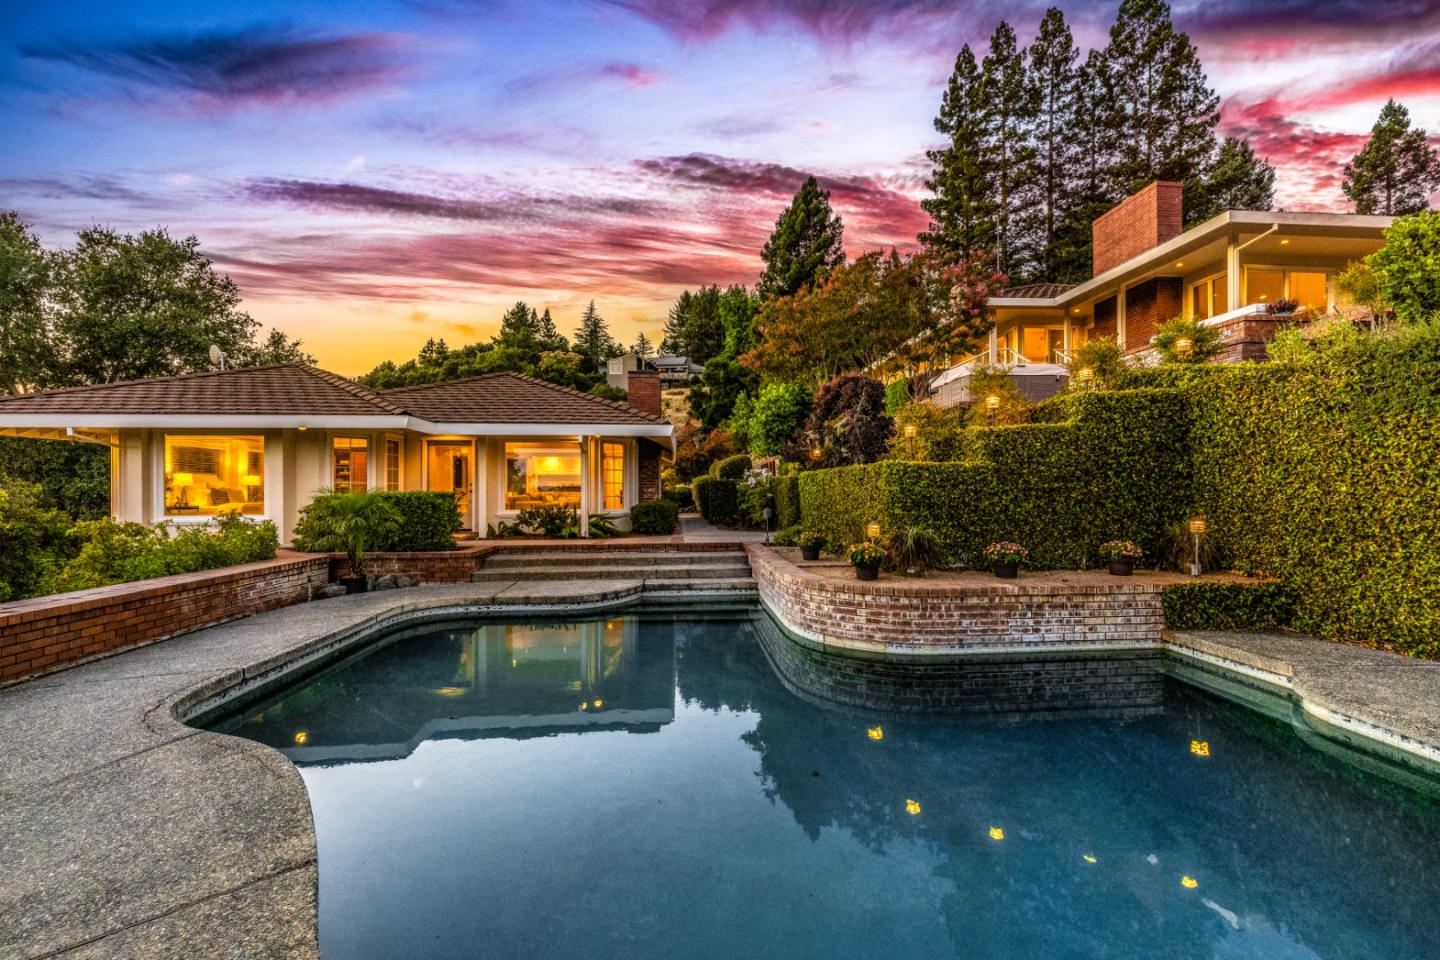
x,y
815,453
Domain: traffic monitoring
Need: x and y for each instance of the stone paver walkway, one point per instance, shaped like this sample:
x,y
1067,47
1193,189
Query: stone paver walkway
x,y
695,529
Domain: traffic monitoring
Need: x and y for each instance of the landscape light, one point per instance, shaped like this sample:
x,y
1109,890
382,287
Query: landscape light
x,y
815,453
1184,346
302,737
1197,528
1197,525
1085,376
872,530
910,430
992,403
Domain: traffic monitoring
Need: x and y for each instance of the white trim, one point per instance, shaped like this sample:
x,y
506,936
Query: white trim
x,y
190,421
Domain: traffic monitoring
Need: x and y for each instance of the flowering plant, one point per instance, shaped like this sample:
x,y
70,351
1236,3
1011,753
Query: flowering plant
x,y
867,554
1004,553
1120,550
810,540
1285,305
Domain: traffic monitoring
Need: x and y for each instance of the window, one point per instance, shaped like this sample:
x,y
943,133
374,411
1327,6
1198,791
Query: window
x,y
541,475
1310,290
612,458
1207,298
351,465
392,464
1264,286
209,476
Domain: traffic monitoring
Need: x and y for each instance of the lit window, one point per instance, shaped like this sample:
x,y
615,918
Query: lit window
x,y
1207,298
351,461
208,476
613,471
392,464
541,475
1310,290
1264,286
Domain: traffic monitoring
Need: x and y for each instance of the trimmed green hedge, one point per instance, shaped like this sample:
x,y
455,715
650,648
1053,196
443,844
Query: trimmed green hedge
x,y
428,521
787,500
1118,468
1210,605
717,500
731,468
654,517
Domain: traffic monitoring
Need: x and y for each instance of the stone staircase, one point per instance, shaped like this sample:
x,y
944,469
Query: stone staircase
x,y
678,572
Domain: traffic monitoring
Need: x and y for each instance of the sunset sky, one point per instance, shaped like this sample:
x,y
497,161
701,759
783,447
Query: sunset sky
x,y
376,173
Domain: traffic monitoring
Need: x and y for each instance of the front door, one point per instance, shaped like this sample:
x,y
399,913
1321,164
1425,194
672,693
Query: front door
x,y
450,470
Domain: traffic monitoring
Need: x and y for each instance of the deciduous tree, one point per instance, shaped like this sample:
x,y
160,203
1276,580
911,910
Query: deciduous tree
x,y
26,358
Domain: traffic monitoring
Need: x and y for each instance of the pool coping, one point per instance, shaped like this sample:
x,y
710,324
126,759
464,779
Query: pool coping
x,y
190,843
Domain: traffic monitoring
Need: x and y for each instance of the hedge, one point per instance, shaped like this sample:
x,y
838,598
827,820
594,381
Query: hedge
x,y
654,517
1119,468
428,521
731,468
717,500
1324,473
787,501
1211,605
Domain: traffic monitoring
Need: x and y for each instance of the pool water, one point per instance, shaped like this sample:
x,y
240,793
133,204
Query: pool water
x,y
646,787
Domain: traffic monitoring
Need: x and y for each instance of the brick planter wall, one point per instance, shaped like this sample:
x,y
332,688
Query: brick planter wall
x,y
46,633
433,566
919,616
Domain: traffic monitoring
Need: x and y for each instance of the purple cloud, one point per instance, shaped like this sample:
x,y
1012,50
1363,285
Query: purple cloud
x,y
357,198
224,70
829,19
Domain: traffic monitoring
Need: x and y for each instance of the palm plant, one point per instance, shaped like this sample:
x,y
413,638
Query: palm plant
x,y
349,523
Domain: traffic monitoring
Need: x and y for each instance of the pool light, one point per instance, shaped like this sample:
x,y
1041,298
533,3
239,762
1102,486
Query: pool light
x,y
912,807
997,833
302,737
1089,858
450,691
1189,883
1201,748
876,733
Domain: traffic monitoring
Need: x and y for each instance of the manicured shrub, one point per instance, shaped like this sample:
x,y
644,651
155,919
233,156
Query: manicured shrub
x,y
788,536
897,395
681,495
1407,268
428,521
1208,605
787,500
654,517
34,539
717,500
731,468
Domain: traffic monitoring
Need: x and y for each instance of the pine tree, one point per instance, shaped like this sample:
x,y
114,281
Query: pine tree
x,y
433,353
1092,190
519,327
548,334
1007,154
1160,108
593,340
643,348
962,210
1237,180
1054,80
1396,171
806,242
672,339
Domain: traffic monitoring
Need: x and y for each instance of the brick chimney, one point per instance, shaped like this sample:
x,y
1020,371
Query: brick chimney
x,y
1140,222
643,387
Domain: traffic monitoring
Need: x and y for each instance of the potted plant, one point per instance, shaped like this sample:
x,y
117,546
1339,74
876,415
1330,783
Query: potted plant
x,y
1005,558
810,543
867,558
1121,556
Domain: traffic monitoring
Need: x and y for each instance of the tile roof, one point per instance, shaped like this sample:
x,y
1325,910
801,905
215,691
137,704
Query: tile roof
x,y
282,389
1034,291
511,398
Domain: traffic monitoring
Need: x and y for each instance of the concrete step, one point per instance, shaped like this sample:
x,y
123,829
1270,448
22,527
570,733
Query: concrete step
x,y
558,571
503,559
736,584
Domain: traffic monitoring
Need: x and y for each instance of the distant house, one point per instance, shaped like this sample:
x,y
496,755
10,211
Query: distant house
x,y
1148,269
261,441
673,371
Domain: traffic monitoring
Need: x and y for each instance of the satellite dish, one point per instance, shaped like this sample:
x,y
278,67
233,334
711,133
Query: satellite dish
x,y
217,356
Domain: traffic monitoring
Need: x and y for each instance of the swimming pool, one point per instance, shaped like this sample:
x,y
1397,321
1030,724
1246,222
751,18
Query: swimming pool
x,y
649,786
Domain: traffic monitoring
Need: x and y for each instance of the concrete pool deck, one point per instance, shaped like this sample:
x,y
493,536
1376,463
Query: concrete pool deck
x,y
124,832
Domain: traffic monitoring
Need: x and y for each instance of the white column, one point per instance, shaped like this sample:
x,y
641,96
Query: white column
x,y
1120,333
994,347
585,485
1232,274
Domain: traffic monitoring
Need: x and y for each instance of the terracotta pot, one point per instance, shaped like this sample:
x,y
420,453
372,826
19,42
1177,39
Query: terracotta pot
x,y
867,571
810,553
1007,571
1122,568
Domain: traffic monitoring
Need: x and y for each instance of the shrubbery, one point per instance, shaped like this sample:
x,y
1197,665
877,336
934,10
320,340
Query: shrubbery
x,y
787,500
34,539
425,521
114,552
654,517
1210,605
731,468
717,500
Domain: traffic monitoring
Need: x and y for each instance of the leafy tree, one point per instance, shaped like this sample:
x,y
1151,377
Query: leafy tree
x,y
643,348
36,538
1160,108
713,400
1236,180
1407,267
276,348
1007,151
593,340
1104,359
135,306
1397,169
848,424
26,358
1053,79
519,327
778,412
1204,341
805,244
961,208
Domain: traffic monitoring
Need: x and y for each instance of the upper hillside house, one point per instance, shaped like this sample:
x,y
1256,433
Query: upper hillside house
x,y
262,441
1148,269
673,371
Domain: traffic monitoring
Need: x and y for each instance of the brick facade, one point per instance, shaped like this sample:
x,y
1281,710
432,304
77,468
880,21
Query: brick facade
x,y
436,566
649,471
918,616
1248,337
643,391
1149,304
1138,223
1106,317
46,633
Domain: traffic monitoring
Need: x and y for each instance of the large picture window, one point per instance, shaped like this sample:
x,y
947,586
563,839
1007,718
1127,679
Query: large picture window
x,y
613,474
1310,289
351,465
212,475
541,475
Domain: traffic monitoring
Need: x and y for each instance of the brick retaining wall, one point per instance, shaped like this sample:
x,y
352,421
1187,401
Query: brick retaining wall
x,y
45,633
898,615
436,566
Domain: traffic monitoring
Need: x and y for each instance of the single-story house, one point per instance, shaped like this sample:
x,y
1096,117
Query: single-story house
x,y
261,441
1225,272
